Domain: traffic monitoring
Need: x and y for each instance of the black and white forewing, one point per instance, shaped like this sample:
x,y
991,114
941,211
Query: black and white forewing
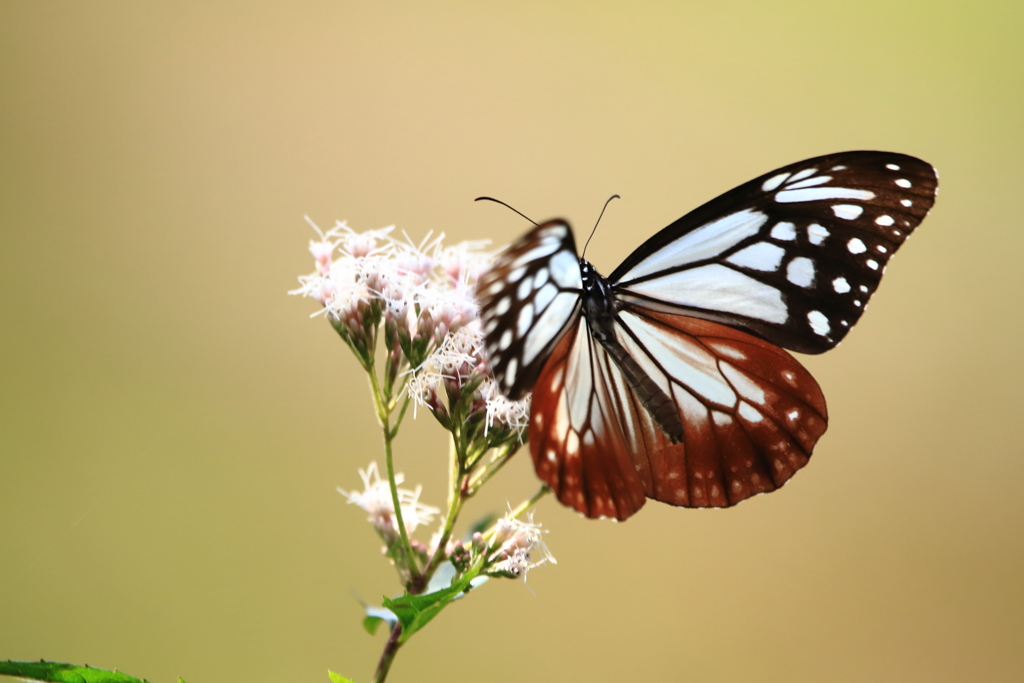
x,y
793,255
527,300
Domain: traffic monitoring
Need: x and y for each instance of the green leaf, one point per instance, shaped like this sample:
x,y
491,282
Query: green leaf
x,y
370,624
63,673
338,678
415,611
376,615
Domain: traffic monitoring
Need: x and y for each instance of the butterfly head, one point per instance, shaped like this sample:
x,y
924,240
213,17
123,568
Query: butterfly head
x,y
592,280
598,302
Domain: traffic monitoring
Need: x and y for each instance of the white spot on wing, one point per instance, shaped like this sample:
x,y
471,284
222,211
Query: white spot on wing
x,y
565,270
800,271
503,305
746,387
813,194
903,182
749,412
892,167
816,234
884,220
544,296
906,202
872,264
506,340
726,350
784,232
847,211
841,285
717,288
572,446
557,231
694,411
525,320
819,323
561,424
774,182
579,380
510,372
759,256
855,246
810,182
549,323
800,175
524,290
540,251
705,242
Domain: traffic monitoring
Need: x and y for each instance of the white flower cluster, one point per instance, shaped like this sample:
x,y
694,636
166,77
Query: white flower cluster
x,y
376,500
426,289
424,294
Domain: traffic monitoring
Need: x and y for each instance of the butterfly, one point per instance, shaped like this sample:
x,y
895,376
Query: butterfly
x,y
669,379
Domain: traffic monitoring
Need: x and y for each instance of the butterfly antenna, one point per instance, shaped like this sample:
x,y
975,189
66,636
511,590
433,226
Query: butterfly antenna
x,y
614,196
498,201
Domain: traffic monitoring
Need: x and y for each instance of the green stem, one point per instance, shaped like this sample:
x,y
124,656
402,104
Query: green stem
x,y
457,495
492,468
401,416
384,416
388,655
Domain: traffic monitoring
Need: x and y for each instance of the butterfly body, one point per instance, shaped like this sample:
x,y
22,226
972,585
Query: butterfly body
x,y
599,309
667,379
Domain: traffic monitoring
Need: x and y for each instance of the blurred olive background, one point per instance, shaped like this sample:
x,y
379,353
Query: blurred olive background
x,y
173,425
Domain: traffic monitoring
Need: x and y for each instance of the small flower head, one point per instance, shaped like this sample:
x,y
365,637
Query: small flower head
x,y
465,262
518,543
444,310
322,249
322,253
503,412
375,499
460,556
360,245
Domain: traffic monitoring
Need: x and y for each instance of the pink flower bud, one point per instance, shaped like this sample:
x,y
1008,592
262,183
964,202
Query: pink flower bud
x,y
322,252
